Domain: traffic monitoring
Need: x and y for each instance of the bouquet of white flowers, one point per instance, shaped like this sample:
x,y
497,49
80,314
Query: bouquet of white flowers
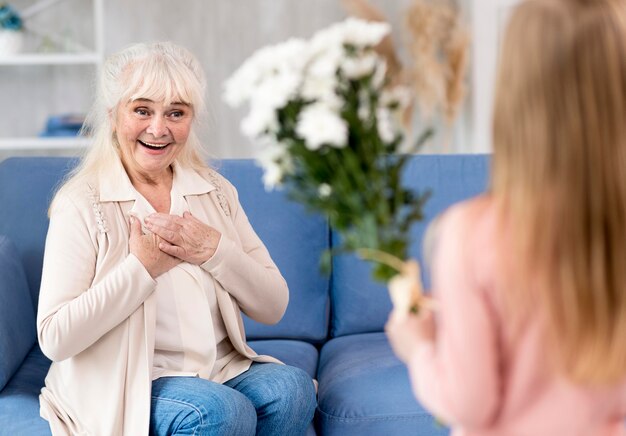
x,y
325,119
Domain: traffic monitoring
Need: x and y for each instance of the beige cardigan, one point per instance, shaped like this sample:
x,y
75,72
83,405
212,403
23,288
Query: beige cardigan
x,y
97,307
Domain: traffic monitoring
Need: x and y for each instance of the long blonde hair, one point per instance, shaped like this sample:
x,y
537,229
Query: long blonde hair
x,y
160,71
559,176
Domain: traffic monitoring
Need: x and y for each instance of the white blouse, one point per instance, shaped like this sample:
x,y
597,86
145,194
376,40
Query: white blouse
x,y
190,337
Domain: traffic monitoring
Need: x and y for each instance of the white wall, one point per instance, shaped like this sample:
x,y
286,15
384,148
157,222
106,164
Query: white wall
x,y
488,23
222,33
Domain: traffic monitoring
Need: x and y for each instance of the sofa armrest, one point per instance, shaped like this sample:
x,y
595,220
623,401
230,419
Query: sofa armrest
x,y
17,315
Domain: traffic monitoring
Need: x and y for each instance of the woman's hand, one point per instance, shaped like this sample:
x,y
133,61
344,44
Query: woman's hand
x,y
407,331
186,237
146,248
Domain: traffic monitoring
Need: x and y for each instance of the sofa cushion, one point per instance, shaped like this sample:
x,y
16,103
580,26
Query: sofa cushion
x,y
295,353
295,240
361,305
26,186
19,401
364,389
17,317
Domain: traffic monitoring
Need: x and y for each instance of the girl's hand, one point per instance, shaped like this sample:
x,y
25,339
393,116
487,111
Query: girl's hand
x,y
186,237
407,331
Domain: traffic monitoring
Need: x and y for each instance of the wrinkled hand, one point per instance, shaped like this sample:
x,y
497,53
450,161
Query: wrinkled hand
x,y
146,248
407,331
186,237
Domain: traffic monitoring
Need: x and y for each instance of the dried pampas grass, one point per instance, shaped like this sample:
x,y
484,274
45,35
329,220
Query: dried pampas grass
x,y
438,45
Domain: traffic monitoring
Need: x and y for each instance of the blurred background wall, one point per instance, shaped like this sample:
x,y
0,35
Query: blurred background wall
x,y
222,33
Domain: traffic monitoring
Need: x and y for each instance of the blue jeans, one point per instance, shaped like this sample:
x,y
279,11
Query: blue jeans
x,y
267,399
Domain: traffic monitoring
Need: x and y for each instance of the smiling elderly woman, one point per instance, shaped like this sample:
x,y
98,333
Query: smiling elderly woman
x,y
149,261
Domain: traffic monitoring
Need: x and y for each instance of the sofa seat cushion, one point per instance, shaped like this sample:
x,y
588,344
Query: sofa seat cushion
x,y
295,353
365,390
17,317
19,400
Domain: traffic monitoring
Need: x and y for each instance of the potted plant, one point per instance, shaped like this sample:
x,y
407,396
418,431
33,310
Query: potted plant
x,y
11,31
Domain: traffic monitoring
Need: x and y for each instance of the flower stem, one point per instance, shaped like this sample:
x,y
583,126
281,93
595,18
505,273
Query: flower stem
x,y
381,257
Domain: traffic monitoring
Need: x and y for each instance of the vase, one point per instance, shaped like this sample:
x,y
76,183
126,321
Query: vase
x,y
11,42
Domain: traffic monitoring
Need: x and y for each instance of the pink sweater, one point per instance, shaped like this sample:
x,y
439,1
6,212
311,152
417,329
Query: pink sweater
x,y
477,376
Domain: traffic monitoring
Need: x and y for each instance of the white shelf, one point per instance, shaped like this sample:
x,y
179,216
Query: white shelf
x,y
91,54
53,143
51,59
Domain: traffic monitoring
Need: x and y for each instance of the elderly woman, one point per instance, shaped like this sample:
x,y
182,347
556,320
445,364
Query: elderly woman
x,y
149,261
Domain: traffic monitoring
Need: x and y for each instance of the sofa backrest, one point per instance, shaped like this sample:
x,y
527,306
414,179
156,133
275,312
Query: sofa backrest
x,y
17,317
360,305
294,238
26,187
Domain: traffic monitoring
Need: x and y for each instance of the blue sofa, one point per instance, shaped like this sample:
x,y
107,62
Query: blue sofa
x,y
333,327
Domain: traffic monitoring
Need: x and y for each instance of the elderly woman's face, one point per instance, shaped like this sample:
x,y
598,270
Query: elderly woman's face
x,y
151,134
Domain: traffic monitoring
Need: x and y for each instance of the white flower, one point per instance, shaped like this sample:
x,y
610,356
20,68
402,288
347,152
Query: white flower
x,y
391,103
276,91
357,67
353,31
320,125
378,80
329,38
238,88
260,120
322,89
325,61
320,78
272,176
399,96
364,111
274,160
363,33
287,58
385,125
324,190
